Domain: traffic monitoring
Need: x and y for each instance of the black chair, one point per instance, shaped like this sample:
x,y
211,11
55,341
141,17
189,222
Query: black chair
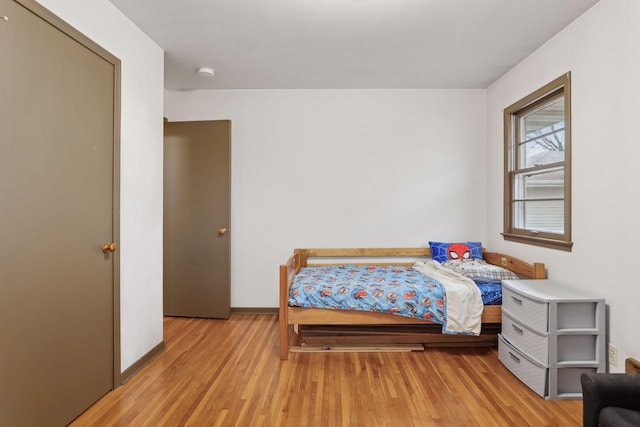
x,y
610,400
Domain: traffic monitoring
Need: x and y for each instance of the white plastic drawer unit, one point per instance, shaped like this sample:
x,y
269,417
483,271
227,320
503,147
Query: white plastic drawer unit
x,y
526,310
551,334
533,343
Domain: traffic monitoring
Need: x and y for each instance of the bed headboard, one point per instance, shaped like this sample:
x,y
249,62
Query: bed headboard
x,y
406,256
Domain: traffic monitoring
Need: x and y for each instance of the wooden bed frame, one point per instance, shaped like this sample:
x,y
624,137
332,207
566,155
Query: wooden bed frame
x,y
290,316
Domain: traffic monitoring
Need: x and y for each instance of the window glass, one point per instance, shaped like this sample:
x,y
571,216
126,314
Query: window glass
x,y
539,201
542,135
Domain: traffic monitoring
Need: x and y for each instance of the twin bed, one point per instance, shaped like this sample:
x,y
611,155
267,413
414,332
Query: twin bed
x,y
393,295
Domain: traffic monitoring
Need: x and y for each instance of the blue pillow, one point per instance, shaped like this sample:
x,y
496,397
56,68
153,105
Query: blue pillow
x,y
444,251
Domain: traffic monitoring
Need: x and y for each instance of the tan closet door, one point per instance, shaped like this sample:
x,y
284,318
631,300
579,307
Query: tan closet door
x,y
197,197
56,194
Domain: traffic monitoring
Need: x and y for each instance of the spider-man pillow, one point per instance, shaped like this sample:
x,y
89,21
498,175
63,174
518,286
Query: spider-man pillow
x,y
444,251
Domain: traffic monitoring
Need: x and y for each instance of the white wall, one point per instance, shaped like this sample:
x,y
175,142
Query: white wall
x,y
600,50
343,168
141,167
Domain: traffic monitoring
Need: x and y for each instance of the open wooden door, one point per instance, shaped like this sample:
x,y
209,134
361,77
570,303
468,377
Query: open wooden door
x,y
197,198
58,153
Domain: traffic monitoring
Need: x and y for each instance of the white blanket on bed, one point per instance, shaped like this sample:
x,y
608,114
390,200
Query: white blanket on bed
x,y
464,302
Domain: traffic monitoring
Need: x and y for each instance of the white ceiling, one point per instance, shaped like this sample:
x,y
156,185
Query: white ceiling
x,y
337,44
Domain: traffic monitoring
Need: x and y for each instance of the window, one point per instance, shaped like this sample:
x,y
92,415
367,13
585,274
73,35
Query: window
x,y
537,178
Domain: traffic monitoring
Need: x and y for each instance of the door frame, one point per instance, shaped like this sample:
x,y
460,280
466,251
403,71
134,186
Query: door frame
x,y
73,33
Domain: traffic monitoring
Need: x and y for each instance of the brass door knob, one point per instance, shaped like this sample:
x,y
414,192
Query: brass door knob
x,y
108,247
222,231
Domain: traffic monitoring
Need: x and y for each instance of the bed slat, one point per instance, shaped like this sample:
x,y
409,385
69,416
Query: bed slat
x,y
362,252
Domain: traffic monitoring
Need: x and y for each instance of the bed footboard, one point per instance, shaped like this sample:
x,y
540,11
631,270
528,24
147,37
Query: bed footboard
x,y
518,266
287,272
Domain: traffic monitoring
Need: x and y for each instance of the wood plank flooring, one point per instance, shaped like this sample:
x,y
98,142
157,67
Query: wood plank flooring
x,y
227,373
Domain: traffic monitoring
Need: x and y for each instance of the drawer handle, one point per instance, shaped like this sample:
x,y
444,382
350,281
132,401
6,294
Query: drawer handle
x,y
518,300
518,329
517,359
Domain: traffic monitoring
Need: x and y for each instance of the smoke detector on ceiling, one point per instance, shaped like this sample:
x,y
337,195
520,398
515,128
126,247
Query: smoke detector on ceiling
x,y
206,72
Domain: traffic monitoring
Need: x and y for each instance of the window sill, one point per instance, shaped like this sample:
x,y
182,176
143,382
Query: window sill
x,y
539,241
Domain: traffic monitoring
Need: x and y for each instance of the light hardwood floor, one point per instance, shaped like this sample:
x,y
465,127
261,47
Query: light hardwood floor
x,y
227,373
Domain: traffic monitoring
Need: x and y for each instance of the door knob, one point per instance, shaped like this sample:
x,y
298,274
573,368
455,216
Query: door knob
x,y
108,247
222,231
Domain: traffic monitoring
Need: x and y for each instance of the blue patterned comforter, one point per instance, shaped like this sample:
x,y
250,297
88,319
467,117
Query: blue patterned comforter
x,y
491,292
386,289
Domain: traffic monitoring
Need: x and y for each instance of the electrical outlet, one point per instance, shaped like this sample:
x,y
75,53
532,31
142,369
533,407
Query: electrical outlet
x,y
613,355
